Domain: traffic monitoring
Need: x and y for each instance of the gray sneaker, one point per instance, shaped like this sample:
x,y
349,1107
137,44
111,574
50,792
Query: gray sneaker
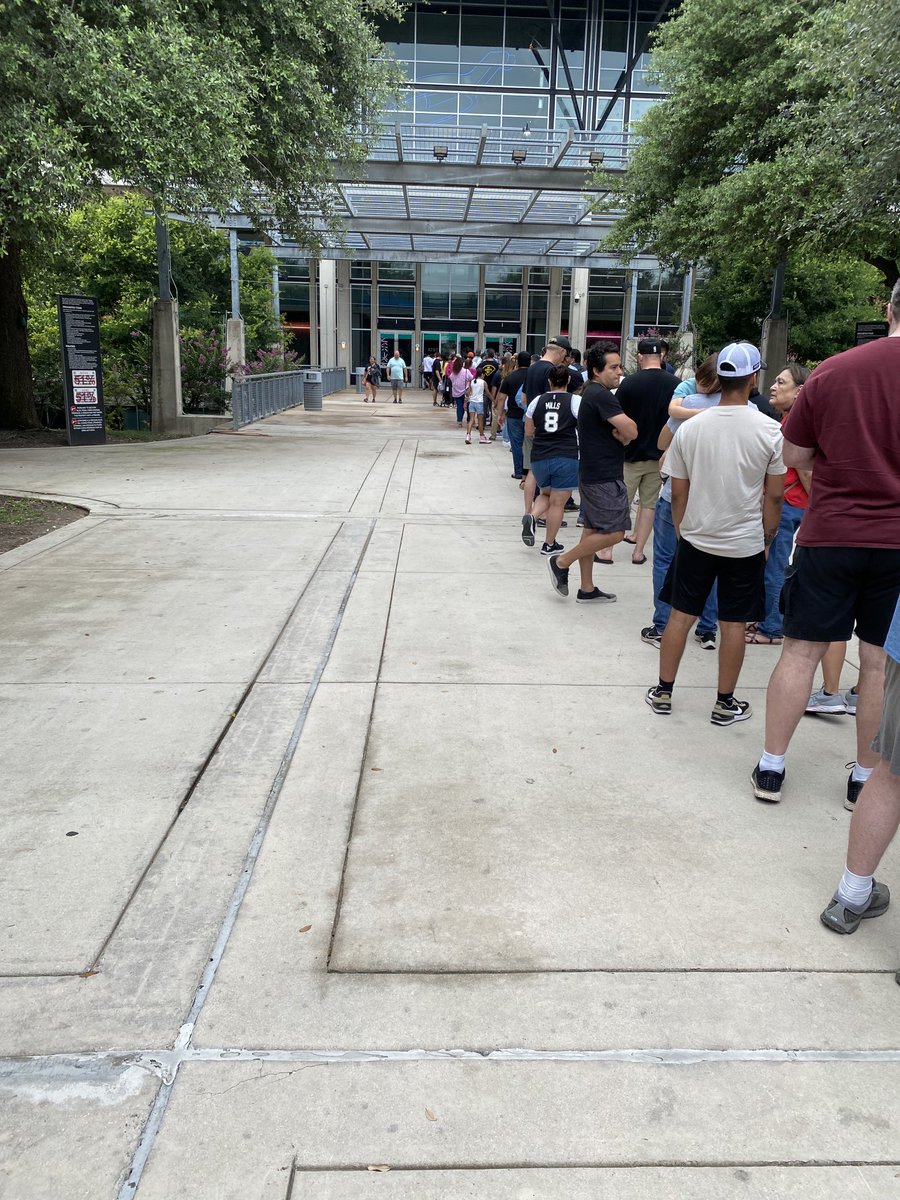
x,y
850,699
841,919
826,702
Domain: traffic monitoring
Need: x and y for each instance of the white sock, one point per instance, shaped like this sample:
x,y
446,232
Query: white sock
x,y
772,762
861,774
854,890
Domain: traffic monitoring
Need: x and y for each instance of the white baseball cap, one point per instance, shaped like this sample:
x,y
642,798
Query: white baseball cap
x,y
738,360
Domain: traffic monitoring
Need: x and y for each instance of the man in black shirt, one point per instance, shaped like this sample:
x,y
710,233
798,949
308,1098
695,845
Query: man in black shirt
x,y
490,372
511,414
645,398
603,433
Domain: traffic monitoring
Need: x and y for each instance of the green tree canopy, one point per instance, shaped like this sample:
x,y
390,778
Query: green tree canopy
x,y
106,249
823,298
198,105
781,131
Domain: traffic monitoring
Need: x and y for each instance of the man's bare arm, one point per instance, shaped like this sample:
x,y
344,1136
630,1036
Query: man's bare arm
x,y
680,491
772,503
624,429
798,457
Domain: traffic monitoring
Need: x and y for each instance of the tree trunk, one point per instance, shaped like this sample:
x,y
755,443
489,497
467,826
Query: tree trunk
x,y
17,410
889,268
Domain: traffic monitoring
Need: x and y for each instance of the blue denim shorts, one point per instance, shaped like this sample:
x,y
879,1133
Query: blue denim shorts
x,y
476,407
558,474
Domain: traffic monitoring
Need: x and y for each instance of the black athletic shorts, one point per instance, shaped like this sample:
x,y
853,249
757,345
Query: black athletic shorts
x,y
605,506
742,583
830,592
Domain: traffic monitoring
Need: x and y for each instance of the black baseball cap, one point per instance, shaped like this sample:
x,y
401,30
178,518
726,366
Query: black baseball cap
x,y
649,346
561,341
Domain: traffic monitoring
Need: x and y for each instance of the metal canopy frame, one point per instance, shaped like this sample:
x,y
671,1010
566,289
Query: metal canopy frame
x,y
475,205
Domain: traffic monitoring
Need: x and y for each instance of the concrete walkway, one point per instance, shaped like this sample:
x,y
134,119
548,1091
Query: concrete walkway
x,y
335,840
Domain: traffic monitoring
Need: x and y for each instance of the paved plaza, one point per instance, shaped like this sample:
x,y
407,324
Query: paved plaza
x,y
334,840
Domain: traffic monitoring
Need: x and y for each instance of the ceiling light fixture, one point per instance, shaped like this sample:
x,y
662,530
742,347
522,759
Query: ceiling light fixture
x,y
440,152
526,130
595,158
519,156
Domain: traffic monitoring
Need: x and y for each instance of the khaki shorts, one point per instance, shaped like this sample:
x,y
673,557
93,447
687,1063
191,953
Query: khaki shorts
x,y
645,479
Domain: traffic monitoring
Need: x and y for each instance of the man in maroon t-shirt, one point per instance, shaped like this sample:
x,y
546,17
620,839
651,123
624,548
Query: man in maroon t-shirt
x,y
845,578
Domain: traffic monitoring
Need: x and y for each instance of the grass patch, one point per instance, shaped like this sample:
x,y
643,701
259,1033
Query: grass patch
x,y
18,510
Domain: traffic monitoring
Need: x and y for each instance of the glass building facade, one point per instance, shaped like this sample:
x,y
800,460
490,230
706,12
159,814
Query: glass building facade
x,y
523,71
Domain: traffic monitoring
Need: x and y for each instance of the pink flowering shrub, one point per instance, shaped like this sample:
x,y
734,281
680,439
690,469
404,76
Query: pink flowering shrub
x,y
204,365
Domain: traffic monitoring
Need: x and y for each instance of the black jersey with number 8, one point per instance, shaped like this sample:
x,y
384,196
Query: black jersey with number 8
x,y
555,427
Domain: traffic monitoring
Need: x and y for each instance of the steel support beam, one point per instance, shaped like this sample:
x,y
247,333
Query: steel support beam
x,y
452,174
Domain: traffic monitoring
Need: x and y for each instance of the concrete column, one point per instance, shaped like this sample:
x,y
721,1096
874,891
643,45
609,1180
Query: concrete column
x,y
523,311
554,304
165,372
328,312
344,338
687,293
417,349
773,349
235,275
276,295
630,304
480,343
578,323
236,352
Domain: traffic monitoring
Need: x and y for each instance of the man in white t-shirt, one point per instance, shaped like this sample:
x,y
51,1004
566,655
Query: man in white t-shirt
x,y
427,376
397,374
719,462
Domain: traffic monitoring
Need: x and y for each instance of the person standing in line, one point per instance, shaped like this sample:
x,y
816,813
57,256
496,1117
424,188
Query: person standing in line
x,y
551,421
437,379
664,356
371,381
644,396
489,370
460,378
769,632
475,404
876,815
845,577
603,432
701,396
428,373
719,463
512,413
398,374
535,384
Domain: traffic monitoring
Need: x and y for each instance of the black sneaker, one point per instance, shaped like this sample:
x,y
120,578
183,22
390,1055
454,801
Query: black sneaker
x,y
659,701
841,919
854,787
707,640
570,506
542,523
594,597
767,784
554,548
652,636
559,576
728,712
528,530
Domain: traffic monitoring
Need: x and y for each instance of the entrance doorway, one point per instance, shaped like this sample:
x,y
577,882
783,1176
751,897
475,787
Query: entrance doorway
x,y
387,341
502,343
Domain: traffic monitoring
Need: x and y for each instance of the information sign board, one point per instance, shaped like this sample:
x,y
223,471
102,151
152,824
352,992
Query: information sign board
x,y
79,336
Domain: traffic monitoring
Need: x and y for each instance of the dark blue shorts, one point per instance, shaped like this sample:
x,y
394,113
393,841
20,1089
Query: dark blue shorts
x,y
558,474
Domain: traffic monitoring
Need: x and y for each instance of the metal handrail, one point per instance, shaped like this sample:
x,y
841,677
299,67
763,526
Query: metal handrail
x,y
254,397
